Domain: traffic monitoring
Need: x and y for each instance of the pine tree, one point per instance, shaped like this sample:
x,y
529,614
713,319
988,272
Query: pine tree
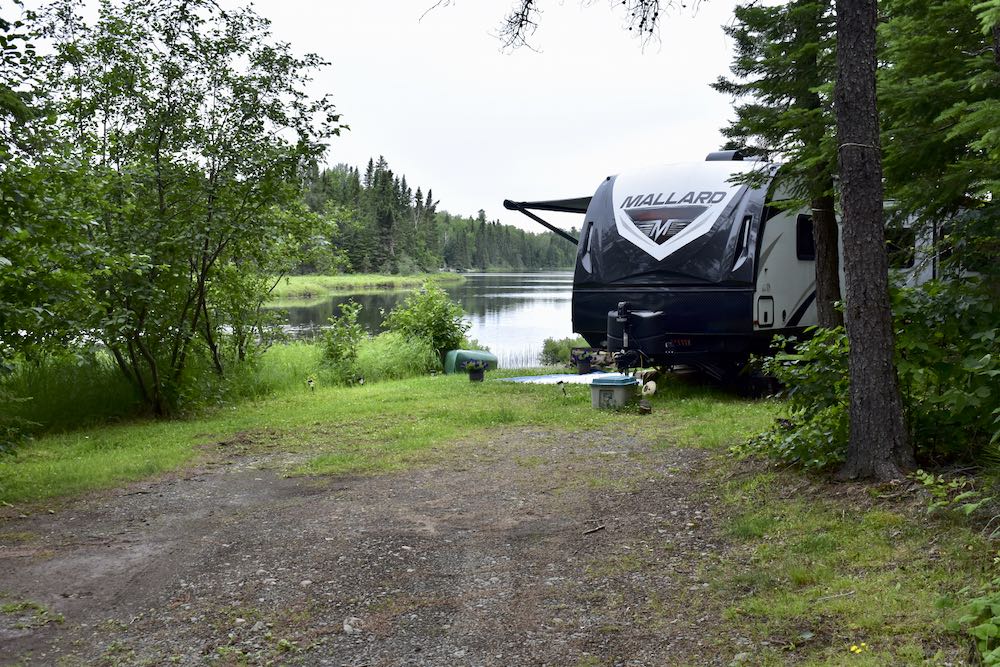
x,y
784,56
941,107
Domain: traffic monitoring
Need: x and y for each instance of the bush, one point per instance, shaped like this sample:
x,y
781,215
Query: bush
x,y
393,356
431,315
14,430
949,365
948,361
557,351
981,619
341,342
815,433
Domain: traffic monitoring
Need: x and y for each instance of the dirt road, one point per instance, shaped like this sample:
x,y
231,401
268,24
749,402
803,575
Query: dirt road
x,y
535,548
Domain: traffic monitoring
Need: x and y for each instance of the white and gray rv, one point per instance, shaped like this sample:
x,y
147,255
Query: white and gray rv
x,y
679,264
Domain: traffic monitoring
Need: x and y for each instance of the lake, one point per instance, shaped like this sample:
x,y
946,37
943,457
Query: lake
x,y
510,313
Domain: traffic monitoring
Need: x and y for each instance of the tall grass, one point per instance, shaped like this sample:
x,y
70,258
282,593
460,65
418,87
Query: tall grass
x,y
392,356
315,285
61,393
87,389
280,368
527,357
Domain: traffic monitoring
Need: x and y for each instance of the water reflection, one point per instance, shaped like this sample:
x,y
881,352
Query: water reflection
x,y
511,313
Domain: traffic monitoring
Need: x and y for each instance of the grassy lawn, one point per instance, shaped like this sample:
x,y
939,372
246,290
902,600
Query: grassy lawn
x,y
828,568
811,569
300,287
373,428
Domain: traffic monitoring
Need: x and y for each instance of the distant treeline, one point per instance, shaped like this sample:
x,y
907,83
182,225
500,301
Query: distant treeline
x,y
376,223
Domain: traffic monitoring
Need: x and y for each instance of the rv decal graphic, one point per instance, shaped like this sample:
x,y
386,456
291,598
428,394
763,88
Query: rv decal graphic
x,y
665,222
658,200
663,209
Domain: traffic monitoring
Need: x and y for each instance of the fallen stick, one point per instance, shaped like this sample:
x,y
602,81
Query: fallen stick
x,y
838,595
593,530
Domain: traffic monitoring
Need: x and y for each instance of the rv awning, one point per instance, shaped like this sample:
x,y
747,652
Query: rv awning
x,y
577,205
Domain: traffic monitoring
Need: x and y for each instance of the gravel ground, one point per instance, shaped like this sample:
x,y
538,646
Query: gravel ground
x,y
535,548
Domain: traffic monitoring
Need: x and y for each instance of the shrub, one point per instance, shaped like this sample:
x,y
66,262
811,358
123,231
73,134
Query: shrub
x,y
815,433
341,341
948,362
431,315
394,356
14,430
557,351
981,619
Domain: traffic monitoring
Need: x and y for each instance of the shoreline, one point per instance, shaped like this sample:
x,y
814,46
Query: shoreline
x,y
315,286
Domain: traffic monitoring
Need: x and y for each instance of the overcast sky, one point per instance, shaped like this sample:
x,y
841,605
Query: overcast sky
x,y
449,109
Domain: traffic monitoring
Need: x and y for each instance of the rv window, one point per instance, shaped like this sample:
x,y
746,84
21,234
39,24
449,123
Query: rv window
x,y
901,247
741,240
585,237
805,248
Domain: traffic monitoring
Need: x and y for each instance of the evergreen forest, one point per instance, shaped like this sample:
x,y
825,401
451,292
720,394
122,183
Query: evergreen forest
x,y
376,223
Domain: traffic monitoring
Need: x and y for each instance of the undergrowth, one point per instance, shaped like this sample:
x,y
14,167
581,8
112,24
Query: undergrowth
x,y
948,364
840,576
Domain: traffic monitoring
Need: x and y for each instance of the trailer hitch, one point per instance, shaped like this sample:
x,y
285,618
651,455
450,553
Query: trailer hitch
x,y
624,310
625,358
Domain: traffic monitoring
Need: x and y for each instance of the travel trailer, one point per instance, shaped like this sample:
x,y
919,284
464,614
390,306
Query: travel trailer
x,y
680,265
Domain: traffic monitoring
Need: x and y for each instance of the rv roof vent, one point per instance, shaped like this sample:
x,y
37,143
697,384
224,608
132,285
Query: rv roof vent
x,y
724,156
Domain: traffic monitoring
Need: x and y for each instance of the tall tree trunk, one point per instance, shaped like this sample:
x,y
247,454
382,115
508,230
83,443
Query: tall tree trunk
x,y
878,447
809,18
825,237
996,44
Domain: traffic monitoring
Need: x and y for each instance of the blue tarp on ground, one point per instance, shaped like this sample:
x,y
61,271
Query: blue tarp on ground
x,y
565,378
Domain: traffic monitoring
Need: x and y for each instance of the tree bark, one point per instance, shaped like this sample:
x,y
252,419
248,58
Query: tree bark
x,y
878,447
996,44
825,236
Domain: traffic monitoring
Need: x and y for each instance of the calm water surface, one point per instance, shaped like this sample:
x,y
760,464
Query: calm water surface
x,y
511,313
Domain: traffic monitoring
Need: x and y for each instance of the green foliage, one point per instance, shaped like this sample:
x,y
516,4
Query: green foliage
x,y
18,63
68,391
160,239
783,63
815,433
939,93
395,356
46,257
954,494
981,619
557,351
286,367
949,364
14,429
431,315
948,361
341,341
